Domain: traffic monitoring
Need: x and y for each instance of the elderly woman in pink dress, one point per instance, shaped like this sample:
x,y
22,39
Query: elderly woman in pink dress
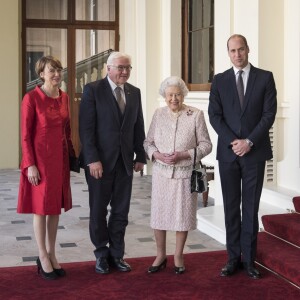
x,y
175,131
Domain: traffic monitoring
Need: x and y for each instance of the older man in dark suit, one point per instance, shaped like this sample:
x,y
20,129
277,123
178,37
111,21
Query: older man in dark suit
x,y
111,128
242,109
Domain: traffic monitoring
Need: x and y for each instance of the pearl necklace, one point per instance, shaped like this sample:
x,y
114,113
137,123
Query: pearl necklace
x,y
47,94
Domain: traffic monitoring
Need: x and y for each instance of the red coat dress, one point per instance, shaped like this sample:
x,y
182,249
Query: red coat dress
x,y
46,143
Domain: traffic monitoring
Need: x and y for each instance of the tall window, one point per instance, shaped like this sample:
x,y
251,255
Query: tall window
x,y
198,43
80,33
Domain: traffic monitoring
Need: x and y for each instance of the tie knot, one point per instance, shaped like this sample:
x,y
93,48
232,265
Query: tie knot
x,y
240,72
117,89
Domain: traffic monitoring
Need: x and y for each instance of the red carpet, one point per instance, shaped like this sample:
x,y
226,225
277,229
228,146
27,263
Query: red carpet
x,y
285,226
280,256
278,248
201,281
296,201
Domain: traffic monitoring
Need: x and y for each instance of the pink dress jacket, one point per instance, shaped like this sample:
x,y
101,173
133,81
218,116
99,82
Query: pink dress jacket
x,y
182,131
46,143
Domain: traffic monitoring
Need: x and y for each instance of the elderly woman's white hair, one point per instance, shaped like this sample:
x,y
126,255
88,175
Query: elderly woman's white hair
x,y
115,55
173,81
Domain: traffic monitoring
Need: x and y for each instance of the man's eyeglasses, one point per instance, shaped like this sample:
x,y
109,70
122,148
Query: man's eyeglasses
x,y
122,68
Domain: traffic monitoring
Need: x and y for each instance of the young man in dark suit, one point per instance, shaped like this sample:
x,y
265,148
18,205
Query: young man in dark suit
x,y
242,109
111,128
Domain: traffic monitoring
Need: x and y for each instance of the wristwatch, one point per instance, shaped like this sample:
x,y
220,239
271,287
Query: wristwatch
x,y
249,142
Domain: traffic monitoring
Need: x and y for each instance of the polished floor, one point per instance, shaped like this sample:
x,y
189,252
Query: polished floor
x,y
18,246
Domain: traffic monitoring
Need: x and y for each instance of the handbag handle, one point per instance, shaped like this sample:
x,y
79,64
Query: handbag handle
x,y
195,154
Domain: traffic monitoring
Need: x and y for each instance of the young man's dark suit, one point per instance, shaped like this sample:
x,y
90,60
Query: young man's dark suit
x,y
112,139
242,177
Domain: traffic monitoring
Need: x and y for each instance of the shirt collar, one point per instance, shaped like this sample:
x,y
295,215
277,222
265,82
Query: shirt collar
x,y
113,85
246,69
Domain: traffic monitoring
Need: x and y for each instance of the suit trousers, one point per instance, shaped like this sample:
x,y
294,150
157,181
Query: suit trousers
x,y
114,189
241,187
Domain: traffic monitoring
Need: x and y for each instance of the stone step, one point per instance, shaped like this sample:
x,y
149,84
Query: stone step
x,y
211,219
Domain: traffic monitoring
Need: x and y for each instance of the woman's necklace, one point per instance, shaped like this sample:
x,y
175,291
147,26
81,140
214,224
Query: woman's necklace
x,y
48,94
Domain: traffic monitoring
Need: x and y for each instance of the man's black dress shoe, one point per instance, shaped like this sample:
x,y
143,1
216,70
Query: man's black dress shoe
x,y
120,264
102,266
252,272
230,268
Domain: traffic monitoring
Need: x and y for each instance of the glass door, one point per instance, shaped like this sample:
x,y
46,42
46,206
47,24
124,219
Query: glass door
x,y
80,33
42,42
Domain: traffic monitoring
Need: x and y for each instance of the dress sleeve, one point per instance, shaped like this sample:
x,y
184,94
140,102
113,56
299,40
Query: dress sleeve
x,y
149,143
68,129
88,125
204,145
27,131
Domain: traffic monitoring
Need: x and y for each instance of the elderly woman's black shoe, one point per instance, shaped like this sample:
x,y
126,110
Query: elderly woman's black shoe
x,y
179,270
161,266
50,276
60,272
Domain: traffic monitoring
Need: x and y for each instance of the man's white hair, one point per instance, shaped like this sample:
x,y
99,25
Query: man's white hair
x,y
115,55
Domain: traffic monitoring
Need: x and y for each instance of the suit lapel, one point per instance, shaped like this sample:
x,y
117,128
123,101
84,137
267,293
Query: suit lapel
x,y
129,103
110,100
237,105
250,85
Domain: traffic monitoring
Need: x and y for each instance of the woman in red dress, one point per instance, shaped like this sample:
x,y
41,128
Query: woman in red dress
x,y
45,174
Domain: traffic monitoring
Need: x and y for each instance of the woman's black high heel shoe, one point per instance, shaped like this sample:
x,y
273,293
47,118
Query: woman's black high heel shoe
x,y
161,266
179,270
50,276
60,272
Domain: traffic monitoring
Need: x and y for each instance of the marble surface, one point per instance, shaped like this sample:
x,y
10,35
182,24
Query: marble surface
x,y
18,246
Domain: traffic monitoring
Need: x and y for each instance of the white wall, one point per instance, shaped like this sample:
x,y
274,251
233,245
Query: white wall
x,y
288,168
9,84
151,32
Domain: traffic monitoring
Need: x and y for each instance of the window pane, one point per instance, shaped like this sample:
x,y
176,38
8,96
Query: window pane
x,y
198,43
201,56
47,9
195,15
45,41
201,14
208,13
95,10
93,48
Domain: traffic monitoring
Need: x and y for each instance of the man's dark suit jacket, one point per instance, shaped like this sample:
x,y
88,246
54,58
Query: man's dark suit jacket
x,y
253,121
103,134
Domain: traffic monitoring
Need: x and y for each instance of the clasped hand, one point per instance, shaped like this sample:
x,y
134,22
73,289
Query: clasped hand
x,y
170,158
240,147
